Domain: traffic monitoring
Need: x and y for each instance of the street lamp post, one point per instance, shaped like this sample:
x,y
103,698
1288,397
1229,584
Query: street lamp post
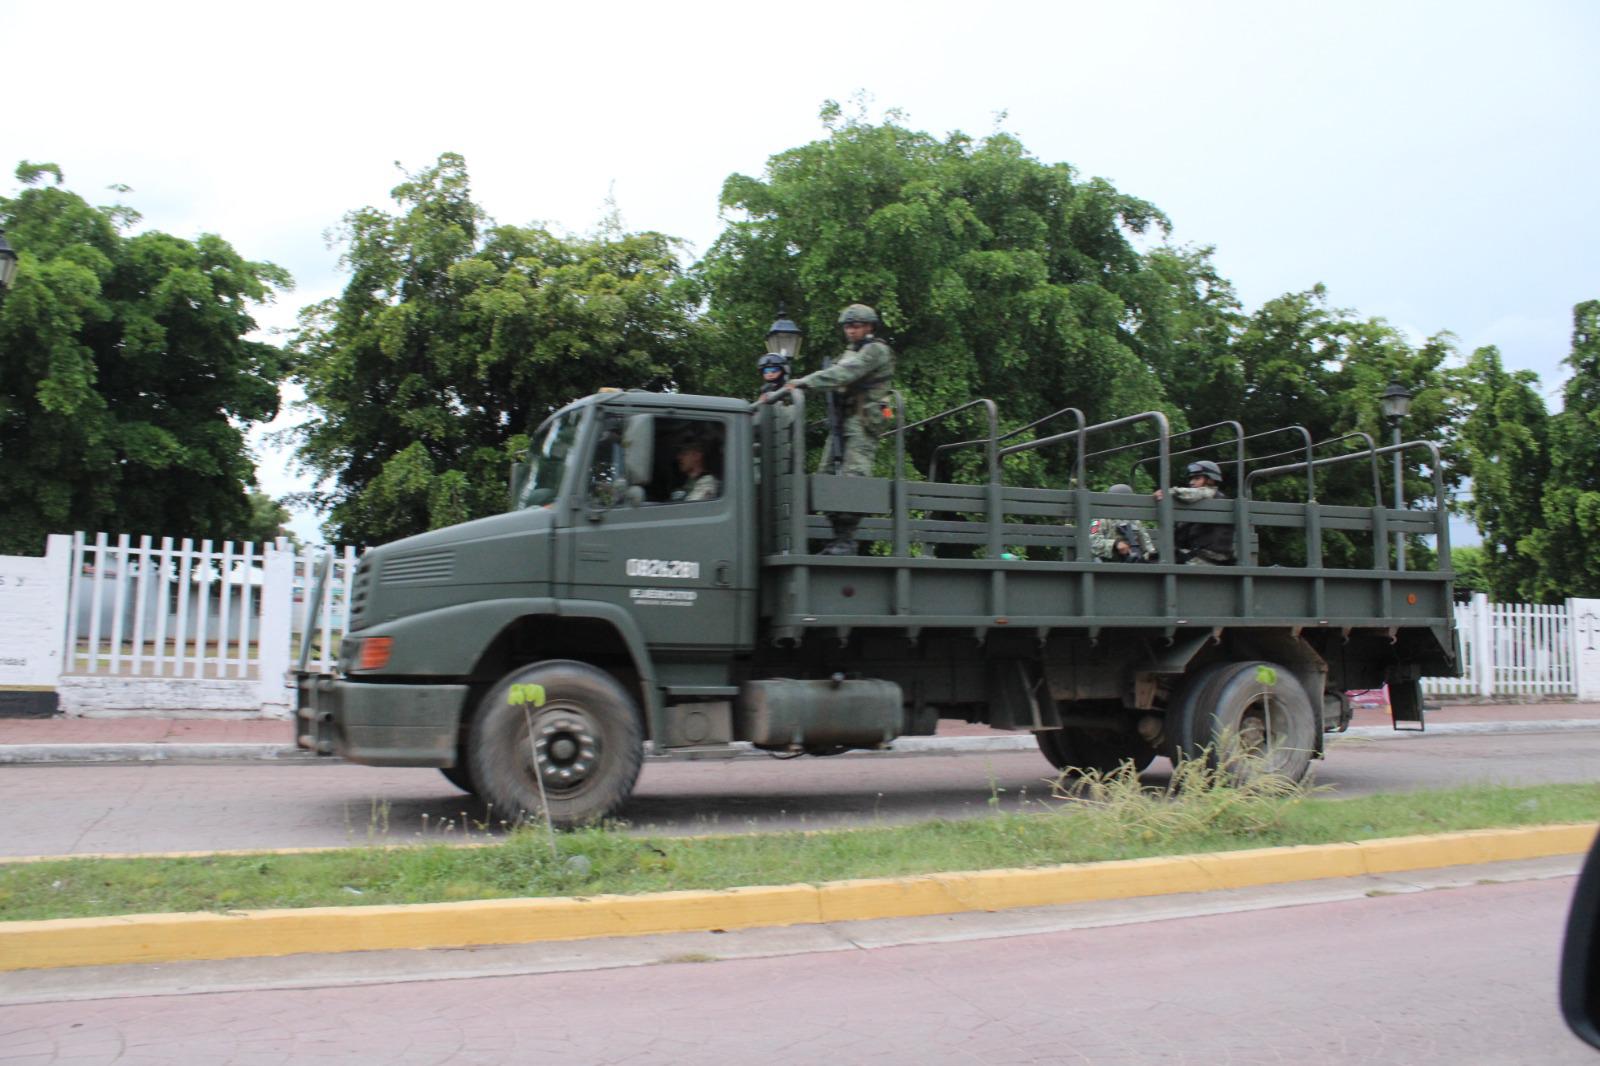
x,y
784,337
1396,402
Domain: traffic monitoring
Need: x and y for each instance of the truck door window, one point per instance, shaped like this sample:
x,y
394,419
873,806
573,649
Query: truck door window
x,y
689,454
548,460
685,463
608,476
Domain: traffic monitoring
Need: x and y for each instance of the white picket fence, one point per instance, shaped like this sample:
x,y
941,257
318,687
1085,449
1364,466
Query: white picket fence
x,y
1513,651
197,611
166,624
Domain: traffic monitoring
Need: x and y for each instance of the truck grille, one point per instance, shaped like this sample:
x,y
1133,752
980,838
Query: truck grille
x,y
421,569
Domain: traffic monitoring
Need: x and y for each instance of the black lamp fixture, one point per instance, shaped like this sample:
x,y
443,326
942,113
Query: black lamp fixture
x,y
1396,401
784,337
8,263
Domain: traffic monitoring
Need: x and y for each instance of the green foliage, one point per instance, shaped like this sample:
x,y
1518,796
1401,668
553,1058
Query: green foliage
x,y
1000,275
126,379
1505,439
269,520
1471,572
455,337
1326,368
996,274
1568,546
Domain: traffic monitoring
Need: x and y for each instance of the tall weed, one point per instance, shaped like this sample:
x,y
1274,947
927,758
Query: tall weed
x,y
1225,791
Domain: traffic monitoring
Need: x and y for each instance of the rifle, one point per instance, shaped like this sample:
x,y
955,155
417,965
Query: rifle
x,y
1127,533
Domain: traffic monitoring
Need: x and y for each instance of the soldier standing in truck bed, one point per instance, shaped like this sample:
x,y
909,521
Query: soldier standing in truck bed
x,y
862,378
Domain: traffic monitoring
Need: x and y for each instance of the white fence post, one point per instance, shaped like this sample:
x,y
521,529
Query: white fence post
x,y
33,628
1585,626
277,614
1483,644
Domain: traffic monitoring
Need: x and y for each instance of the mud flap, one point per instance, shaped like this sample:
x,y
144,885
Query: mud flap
x,y
1405,705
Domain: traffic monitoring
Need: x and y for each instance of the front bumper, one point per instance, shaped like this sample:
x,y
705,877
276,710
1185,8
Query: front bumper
x,y
379,724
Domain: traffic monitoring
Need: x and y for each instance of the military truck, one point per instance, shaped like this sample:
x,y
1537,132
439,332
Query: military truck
x,y
533,655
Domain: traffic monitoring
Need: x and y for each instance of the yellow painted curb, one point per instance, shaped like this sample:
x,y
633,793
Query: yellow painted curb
x,y
178,937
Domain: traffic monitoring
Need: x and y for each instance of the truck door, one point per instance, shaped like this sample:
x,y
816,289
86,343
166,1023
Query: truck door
x,y
657,530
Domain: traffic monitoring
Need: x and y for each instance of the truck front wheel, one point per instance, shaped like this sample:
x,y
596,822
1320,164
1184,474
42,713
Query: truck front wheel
x,y
572,725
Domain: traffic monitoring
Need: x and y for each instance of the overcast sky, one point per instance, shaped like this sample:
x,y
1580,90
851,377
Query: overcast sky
x,y
1431,163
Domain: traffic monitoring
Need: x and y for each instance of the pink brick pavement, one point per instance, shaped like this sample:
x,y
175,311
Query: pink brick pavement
x,y
249,730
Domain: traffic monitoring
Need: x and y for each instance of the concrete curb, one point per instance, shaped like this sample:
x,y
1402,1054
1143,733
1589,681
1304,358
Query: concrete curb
x,y
152,938
97,754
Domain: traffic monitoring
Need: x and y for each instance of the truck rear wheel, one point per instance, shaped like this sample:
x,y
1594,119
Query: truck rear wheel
x,y
1257,708
574,726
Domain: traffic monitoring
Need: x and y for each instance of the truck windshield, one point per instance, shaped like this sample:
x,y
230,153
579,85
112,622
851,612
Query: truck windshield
x,y
549,461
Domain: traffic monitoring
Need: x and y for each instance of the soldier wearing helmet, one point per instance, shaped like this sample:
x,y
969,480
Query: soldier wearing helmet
x,y
774,370
861,378
1202,543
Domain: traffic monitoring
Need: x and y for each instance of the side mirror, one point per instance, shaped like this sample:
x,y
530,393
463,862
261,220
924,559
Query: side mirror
x,y
1580,955
639,448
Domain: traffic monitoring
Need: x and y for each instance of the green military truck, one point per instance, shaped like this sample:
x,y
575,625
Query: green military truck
x,y
533,655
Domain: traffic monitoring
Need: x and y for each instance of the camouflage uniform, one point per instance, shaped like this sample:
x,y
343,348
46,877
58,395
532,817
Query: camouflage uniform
x,y
862,376
1104,534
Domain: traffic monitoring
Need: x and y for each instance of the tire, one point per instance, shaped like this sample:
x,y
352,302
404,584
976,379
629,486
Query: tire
x,y
1198,692
1053,743
1256,707
589,736
1071,748
460,775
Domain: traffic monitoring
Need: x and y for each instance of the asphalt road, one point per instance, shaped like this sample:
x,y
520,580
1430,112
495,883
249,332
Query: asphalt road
x,y
98,809
1447,976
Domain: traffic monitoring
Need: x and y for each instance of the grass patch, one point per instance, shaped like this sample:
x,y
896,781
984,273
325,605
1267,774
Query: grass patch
x,y
1110,818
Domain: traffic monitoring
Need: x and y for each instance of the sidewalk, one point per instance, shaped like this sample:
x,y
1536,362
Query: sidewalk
x,y
156,739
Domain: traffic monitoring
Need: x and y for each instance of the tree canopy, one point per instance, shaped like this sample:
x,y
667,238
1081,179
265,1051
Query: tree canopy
x,y
1567,547
456,336
1000,275
125,374
1506,441
996,274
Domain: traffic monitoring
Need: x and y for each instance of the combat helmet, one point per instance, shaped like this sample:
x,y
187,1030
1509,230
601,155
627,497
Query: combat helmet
x,y
772,359
858,313
1206,468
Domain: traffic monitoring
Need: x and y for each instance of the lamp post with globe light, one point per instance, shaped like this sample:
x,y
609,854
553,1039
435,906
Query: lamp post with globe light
x,y
784,337
1396,403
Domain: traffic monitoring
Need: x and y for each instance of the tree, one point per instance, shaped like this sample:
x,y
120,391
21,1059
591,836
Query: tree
x,y
455,337
996,274
1568,546
1003,276
1471,573
125,375
269,520
1505,438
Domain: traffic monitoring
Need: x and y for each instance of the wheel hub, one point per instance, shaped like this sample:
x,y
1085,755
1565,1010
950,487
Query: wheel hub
x,y
566,748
